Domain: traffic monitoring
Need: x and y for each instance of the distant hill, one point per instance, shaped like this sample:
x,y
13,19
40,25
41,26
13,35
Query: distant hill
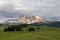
x,y
54,24
51,24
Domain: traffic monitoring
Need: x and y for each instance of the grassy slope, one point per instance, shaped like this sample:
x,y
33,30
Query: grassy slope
x,y
45,33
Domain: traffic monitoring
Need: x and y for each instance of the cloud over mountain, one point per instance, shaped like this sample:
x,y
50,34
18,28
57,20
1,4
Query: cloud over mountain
x,y
43,8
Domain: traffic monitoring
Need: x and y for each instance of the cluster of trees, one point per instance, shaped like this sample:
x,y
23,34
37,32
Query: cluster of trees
x,y
12,28
19,28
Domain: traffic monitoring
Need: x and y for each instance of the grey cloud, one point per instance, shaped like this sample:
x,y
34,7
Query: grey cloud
x,y
43,8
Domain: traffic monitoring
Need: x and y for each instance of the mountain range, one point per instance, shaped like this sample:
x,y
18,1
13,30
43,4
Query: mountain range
x,y
34,20
30,20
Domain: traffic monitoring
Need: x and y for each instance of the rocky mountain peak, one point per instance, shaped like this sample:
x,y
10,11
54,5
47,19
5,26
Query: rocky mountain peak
x,y
33,19
36,17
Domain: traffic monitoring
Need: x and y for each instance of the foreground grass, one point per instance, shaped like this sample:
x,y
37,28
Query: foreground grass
x,y
45,33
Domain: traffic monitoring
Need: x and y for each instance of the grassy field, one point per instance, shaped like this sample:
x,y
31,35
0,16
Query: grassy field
x,y
45,33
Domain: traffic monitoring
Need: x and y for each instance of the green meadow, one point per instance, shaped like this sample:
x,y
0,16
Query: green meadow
x,y
44,33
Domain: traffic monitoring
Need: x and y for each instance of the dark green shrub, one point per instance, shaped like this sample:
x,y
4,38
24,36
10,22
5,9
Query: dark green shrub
x,y
38,27
18,29
11,29
31,29
5,29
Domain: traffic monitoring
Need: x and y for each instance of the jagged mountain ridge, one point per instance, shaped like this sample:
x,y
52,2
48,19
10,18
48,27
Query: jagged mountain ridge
x,y
33,19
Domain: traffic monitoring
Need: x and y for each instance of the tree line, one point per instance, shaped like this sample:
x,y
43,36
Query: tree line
x,y
20,27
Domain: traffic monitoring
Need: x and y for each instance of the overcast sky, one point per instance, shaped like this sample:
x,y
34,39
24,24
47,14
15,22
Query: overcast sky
x,y
49,9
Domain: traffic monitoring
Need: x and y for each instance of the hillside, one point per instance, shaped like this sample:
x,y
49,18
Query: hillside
x,y
44,33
